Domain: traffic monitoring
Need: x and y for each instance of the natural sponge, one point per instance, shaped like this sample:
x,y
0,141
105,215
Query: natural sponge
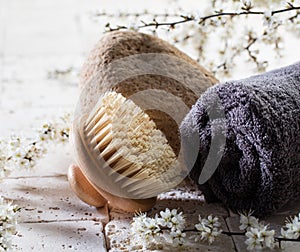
x,y
132,62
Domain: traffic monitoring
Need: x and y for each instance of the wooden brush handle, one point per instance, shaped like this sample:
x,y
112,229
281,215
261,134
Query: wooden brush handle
x,y
83,188
97,197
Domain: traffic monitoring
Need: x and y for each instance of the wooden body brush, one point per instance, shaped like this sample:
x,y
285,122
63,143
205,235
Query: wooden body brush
x,y
122,152
127,154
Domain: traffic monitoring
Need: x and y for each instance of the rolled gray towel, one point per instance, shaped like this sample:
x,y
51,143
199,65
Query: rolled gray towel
x,y
259,117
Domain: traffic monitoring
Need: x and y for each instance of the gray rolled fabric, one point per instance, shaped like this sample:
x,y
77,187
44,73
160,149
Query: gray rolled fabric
x,y
259,117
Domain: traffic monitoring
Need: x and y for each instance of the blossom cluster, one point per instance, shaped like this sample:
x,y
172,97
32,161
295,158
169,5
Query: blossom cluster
x,y
150,232
233,26
258,235
291,230
8,222
208,228
22,152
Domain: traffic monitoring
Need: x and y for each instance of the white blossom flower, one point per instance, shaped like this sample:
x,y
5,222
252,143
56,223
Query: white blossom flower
x,y
147,229
254,240
247,4
8,222
26,157
57,131
133,26
213,221
291,230
47,132
171,219
21,152
5,240
14,143
63,134
208,228
4,169
177,237
260,237
268,236
208,234
247,221
138,223
268,15
198,15
270,20
152,228
261,66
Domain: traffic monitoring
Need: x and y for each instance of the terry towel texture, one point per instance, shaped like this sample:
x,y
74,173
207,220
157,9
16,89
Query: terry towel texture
x,y
260,166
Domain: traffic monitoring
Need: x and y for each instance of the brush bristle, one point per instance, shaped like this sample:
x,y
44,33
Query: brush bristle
x,y
129,142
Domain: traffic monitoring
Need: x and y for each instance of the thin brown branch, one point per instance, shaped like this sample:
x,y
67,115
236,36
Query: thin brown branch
x,y
279,239
286,239
186,19
248,50
292,18
233,233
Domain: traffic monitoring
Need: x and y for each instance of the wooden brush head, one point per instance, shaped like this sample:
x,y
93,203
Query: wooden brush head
x,y
120,150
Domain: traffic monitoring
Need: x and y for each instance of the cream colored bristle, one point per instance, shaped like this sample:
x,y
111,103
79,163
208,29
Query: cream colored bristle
x,y
93,119
122,164
108,152
104,142
128,140
133,169
102,123
116,157
99,135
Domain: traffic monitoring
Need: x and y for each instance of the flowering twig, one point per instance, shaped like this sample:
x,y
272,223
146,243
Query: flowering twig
x,y
222,26
229,233
200,20
259,236
20,152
